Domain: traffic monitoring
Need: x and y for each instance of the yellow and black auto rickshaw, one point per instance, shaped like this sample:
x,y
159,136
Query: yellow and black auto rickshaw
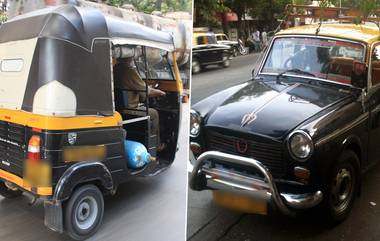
x,y
67,136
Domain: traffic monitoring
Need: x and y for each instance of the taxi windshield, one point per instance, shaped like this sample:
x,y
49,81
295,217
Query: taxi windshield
x,y
323,58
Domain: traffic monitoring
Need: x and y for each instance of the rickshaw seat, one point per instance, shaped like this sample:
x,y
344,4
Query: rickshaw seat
x,y
121,99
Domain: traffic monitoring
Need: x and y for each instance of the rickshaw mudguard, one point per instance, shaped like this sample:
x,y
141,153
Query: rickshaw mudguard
x,y
77,174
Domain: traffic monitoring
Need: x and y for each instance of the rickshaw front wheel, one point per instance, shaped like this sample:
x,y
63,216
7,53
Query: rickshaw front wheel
x,y
8,192
84,212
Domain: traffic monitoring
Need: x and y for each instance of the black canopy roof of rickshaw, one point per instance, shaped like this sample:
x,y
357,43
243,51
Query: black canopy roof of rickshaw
x,y
80,26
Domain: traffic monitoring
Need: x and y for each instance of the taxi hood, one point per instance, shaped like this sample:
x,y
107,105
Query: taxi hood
x,y
272,109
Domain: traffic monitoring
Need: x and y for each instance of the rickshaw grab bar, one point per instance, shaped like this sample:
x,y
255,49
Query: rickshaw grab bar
x,y
126,122
223,179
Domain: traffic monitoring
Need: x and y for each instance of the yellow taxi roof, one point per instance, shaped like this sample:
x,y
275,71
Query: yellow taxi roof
x,y
361,32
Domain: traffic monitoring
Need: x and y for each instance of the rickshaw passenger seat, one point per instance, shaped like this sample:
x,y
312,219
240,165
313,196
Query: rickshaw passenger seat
x,y
121,99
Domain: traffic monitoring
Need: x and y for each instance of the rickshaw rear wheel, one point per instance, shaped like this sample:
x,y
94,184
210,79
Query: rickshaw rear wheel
x,y
84,212
7,192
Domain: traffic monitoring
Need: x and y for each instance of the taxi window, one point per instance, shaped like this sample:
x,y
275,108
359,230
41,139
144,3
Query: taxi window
x,y
375,66
201,40
219,37
211,39
325,58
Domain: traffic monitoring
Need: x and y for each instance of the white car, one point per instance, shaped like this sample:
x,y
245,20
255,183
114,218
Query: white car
x,y
223,39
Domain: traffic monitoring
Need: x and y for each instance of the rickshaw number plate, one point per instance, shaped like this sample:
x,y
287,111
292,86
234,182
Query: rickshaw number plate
x,y
240,203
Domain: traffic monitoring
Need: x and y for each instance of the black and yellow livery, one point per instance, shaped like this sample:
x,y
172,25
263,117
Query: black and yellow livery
x,y
59,114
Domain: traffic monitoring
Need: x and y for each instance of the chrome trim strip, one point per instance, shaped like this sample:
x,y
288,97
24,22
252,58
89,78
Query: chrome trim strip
x,y
339,131
260,108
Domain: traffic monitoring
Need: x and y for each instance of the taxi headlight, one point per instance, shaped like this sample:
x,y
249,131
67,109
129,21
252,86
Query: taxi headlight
x,y
301,145
195,123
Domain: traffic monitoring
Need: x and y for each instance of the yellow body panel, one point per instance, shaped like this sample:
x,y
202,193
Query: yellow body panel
x,y
59,123
364,33
43,191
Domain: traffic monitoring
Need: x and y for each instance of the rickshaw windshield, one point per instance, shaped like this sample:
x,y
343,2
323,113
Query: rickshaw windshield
x,y
155,66
323,58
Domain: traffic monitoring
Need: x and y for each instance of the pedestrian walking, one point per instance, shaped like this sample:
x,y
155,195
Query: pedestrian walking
x,y
264,38
256,39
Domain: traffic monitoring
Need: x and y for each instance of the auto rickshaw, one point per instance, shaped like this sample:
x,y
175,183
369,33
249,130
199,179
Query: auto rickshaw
x,y
67,136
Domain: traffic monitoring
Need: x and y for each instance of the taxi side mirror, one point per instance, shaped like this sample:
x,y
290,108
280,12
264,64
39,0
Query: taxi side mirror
x,y
359,75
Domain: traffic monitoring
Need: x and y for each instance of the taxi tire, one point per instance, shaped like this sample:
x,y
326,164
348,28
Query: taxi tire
x,y
196,66
235,51
347,161
72,206
8,193
226,61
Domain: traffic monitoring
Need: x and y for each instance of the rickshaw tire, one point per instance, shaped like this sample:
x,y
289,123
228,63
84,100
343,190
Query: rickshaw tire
x,y
8,193
71,207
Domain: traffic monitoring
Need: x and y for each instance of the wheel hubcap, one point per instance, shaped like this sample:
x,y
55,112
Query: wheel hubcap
x,y
86,213
196,67
342,189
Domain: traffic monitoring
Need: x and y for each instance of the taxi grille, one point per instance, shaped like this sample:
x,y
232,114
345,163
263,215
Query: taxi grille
x,y
269,154
12,147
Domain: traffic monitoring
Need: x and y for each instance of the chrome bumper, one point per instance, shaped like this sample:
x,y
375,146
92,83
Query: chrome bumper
x,y
203,178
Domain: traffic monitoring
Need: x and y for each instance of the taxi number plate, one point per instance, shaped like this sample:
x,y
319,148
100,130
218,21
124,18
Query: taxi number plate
x,y
240,203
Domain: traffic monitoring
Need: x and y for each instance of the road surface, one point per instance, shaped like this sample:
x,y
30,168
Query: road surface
x,y
214,78
151,209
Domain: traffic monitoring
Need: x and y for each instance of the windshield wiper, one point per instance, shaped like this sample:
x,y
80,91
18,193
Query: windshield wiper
x,y
297,71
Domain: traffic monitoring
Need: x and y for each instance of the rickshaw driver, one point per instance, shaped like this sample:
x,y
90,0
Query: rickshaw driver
x,y
127,77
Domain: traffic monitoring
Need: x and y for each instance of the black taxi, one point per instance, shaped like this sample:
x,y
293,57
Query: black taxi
x,y
207,51
300,134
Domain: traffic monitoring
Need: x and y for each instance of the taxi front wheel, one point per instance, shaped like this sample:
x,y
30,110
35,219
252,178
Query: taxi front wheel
x,y
7,192
343,187
84,212
226,61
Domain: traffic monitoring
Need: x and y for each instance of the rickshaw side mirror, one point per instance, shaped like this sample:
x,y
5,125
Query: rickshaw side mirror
x,y
359,75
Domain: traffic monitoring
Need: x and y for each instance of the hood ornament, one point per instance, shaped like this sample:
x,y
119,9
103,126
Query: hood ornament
x,y
241,146
248,119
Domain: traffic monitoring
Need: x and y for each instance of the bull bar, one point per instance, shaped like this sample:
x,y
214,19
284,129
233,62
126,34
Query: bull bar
x,y
212,178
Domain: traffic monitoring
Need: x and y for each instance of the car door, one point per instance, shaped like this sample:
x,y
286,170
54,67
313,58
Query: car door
x,y
374,105
216,50
203,49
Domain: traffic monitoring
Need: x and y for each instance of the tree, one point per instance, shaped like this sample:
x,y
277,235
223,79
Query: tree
x,y
149,6
208,12
269,11
239,8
